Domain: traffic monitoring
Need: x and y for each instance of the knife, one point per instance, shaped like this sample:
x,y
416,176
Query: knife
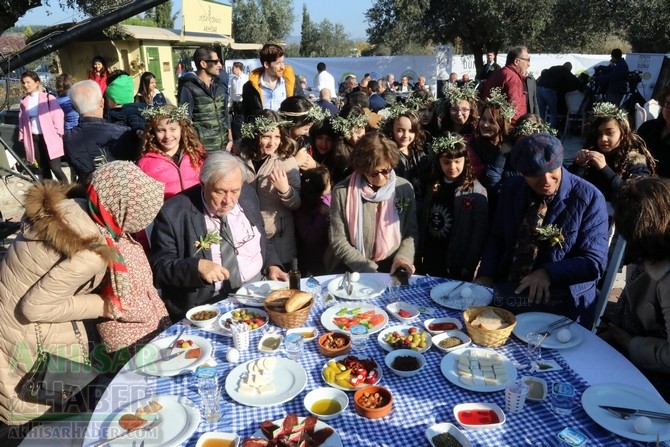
x,y
626,413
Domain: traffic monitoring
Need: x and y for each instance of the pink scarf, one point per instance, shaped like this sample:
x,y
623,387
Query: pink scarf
x,y
387,226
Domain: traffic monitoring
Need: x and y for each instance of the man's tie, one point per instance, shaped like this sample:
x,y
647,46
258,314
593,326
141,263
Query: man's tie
x,y
229,253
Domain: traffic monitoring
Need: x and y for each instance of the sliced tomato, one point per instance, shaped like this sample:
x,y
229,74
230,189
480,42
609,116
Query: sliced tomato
x,y
344,322
376,319
366,315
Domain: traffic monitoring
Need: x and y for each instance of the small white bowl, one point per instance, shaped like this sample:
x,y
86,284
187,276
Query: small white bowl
x,y
394,308
391,356
308,333
328,393
462,336
220,436
207,308
539,387
447,320
474,406
270,343
446,427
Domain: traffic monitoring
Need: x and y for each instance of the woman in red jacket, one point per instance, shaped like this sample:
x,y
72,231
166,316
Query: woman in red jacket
x,y
99,72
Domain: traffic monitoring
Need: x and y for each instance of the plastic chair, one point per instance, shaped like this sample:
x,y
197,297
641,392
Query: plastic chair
x,y
574,101
653,108
640,115
613,264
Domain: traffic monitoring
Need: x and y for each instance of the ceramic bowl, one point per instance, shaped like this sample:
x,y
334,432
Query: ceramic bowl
x,y
334,352
326,393
192,314
231,438
445,427
537,388
379,411
462,336
391,356
411,310
432,325
481,413
308,333
270,343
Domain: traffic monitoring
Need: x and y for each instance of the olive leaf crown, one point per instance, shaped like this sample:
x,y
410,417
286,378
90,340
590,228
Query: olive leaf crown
x,y
608,110
167,111
446,142
313,115
530,127
345,126
498,98
393,111
455,94
261,125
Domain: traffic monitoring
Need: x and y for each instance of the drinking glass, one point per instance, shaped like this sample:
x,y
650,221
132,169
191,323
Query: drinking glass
x,y
534,348
294,344
393,288
359,337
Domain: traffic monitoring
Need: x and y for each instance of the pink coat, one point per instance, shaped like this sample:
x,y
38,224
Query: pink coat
x,y
52,123
162,168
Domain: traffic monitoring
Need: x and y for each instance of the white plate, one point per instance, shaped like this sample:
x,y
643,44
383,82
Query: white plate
x,y
258,289
455,321
538,321
446,427
148,359
329,314
181,418
620,395
440,294
288,377
224,317
404,330
396,307
367,287
380,374
333,440
449,367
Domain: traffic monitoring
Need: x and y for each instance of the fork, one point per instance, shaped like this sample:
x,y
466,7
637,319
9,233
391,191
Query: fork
x,y
150,426
558,324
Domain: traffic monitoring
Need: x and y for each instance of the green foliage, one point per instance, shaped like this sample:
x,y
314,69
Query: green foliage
x,y
141,21
325,39
162,15
261,21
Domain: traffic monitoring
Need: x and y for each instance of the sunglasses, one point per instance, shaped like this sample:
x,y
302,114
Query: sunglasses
x,y
213,61
385,172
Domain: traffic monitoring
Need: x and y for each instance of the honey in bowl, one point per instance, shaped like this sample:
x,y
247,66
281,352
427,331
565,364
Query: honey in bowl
x,y
218,443
326,407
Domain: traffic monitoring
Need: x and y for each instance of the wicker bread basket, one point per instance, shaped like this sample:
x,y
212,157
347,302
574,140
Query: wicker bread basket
x,y
487,337
274,306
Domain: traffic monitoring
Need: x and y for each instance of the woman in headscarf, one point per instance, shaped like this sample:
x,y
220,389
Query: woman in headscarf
x,y
74,261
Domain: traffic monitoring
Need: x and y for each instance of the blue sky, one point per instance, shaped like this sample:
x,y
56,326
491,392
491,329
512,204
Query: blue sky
x,y
349,13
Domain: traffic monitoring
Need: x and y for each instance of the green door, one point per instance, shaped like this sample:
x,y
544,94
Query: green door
x,y
154,65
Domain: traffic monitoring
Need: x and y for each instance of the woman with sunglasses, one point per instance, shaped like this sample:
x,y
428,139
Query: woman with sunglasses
x,y
373,213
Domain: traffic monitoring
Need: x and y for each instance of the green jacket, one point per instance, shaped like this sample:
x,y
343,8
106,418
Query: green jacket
x,y
207,107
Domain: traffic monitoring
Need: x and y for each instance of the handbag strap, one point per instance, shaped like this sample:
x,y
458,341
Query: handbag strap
x,y
41,353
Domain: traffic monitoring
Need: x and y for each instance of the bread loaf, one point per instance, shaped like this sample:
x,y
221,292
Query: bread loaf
x,y
489,320
297,300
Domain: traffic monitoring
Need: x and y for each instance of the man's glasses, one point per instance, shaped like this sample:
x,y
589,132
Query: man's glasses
x,y
385,172
527,59
457,110
213,61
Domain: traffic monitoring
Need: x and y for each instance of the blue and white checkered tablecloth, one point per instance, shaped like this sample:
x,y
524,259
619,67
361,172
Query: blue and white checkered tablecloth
x,y
419,402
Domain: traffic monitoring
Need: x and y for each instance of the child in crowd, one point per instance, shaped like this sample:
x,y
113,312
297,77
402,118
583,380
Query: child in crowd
x,y
303,115
488,156
349,127
323,140
99,72
425,106
456,218
267,150
312,220
63,84
460,112
172,152
148,93
613,153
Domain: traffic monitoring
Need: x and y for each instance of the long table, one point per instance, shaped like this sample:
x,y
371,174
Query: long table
x,y
419,401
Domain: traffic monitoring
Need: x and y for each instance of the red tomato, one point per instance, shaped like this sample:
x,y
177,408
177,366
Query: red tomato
x,y
365,315
371,378
377,319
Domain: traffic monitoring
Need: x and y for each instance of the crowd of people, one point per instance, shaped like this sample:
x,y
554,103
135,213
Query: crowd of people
x,y
199,198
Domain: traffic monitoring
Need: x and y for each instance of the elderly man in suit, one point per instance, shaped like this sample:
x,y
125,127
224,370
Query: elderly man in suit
x,y
209,240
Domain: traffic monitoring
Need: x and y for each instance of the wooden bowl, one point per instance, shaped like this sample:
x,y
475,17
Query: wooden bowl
x,y
381,410
334,352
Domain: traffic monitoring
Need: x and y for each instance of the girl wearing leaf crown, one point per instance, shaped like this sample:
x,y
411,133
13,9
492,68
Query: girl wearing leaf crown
x,y
267,150
456,220
613,152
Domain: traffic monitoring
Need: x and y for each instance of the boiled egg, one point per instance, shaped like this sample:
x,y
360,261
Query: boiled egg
x,y
466,292
355,276
642,425
233,355
564,335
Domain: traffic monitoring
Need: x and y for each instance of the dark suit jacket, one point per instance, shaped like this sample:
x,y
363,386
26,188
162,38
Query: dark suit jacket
x,y
174,262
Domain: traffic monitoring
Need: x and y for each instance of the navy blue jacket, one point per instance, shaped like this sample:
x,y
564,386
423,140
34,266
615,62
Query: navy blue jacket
x,y
579,210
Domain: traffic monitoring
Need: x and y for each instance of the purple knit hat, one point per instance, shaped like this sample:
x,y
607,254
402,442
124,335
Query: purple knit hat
x,y
537,154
